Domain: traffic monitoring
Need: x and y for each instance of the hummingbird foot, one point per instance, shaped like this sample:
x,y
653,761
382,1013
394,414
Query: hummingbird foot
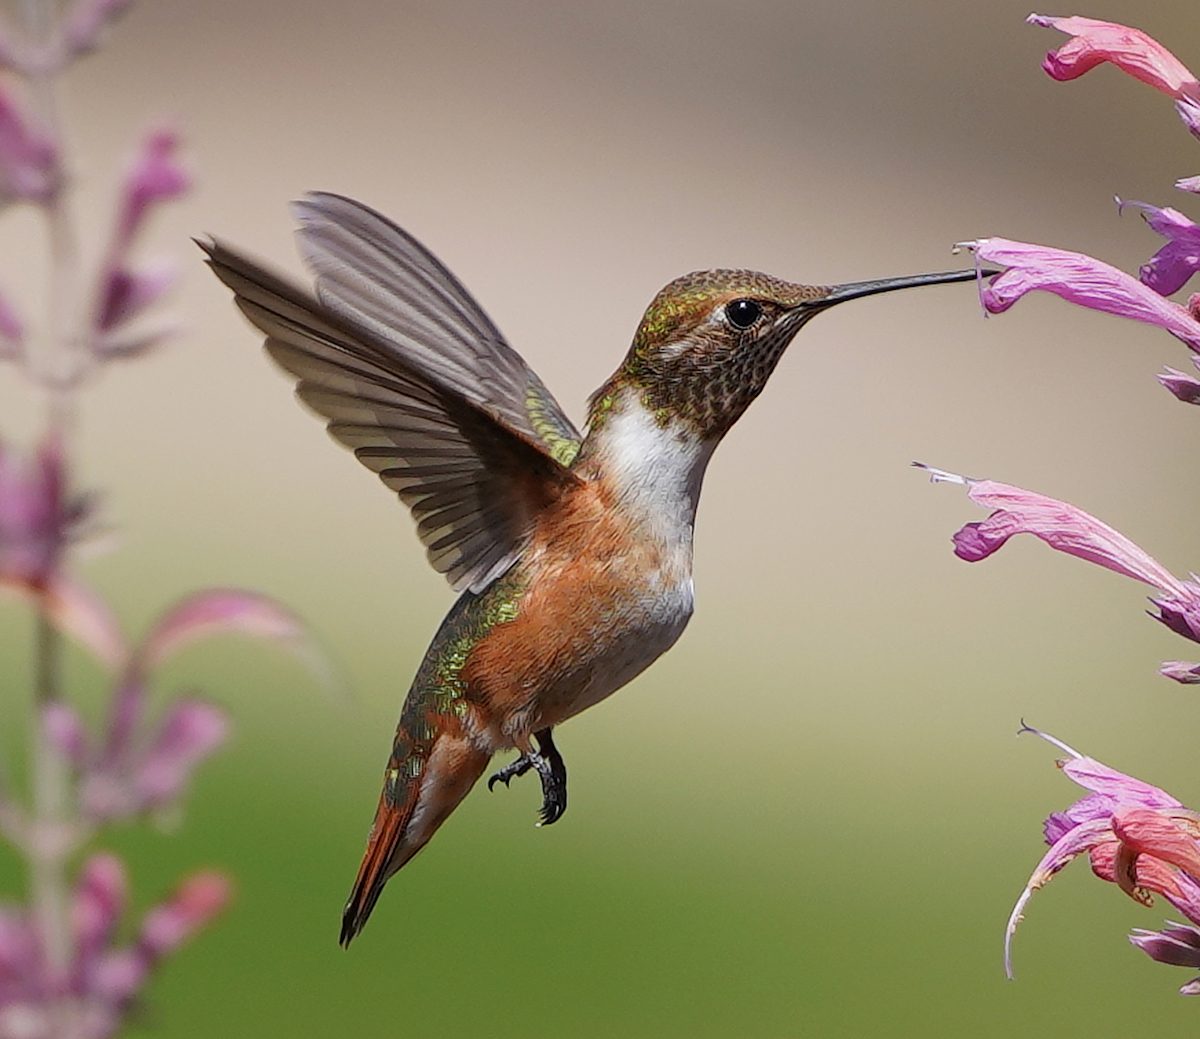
x,y
517,768
551,770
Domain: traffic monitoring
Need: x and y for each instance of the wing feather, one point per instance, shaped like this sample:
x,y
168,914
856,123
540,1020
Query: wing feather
x,y
399,362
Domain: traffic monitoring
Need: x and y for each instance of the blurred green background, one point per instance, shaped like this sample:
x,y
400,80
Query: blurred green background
x,y
812,816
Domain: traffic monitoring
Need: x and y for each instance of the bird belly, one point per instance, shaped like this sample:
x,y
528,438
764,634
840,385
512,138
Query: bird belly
x,y
585,626
623,642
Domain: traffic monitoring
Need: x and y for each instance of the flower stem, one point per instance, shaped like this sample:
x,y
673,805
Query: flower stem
x,y
50,846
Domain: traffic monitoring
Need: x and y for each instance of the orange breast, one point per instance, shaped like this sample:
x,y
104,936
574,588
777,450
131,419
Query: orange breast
x,y
602,602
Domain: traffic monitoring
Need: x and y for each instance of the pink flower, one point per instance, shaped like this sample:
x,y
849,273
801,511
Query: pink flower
x,y
1131,50
1070,530
1191,184
1136,835
1169,269
1079,279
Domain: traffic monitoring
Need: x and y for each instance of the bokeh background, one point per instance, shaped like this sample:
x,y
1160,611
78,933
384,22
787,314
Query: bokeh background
x,y
811,817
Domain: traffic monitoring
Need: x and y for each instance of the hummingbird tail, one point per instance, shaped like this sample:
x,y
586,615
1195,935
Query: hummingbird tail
x,y
409,813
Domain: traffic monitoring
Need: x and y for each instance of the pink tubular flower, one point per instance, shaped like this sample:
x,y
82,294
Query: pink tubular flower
x,y
1131,50
1138,837
1070,530
1079,279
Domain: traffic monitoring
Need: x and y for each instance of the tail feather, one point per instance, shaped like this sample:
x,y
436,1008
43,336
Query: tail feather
x,y
407,817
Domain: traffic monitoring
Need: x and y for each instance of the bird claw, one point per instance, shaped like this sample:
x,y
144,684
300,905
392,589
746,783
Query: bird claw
x,y
551,770
506,774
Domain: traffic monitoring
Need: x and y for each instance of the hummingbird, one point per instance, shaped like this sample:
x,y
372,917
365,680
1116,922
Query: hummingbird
x,y
572,553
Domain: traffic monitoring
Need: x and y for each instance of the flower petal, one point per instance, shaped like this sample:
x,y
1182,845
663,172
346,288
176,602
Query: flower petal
x,y
28,158
1062,526
1166,948
1099,778
1183,386
100,898
1169,269
86,20
65,731
217,611
198,900
127,293
12,330
1131,50
78,612
1157,834
190,732
1079,279
1181,615
1189,112
1191,184
1183,671
1082,838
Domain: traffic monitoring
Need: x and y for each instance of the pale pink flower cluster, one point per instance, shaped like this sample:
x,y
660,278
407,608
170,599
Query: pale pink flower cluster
x,y
65,970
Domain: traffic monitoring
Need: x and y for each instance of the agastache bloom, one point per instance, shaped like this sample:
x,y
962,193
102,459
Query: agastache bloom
x,y
1095,42
1079,279
1136,836
1068,529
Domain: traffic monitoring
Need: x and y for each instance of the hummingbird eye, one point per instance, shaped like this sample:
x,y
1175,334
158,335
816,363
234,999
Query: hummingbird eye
x,y
742,313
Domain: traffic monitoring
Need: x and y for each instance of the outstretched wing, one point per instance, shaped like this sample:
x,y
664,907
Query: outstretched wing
x,y
381,279
420,393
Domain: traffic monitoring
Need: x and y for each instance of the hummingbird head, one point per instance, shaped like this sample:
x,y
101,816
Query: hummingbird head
x,y
709,341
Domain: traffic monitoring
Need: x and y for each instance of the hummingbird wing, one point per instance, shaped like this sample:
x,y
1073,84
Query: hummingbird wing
x,y
418,400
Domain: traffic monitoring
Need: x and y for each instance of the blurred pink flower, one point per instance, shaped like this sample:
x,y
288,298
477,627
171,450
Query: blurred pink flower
x,y
1136,835
103,978
1191,184
29,170
1070,530
124,293
136,766
84,24
37,516
1079,279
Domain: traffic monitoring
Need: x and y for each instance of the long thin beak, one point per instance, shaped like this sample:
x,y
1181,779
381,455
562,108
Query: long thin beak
x,y
858,289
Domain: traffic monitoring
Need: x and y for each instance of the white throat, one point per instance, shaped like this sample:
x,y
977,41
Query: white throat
x,y
656,470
